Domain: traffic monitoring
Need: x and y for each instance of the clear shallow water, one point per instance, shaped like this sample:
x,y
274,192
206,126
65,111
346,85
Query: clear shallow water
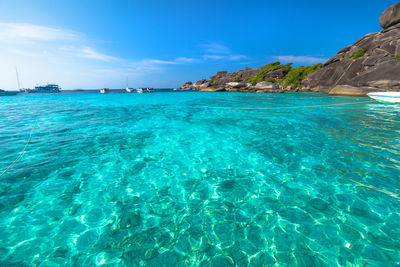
x,y
199,179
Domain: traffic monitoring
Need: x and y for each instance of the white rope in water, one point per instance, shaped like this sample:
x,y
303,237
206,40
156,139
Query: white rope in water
x,y
22,152
293,107
374,188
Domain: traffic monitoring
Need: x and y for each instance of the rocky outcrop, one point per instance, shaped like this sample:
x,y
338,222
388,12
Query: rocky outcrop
x,y
267,87
390,17
371,63
186,86
203,83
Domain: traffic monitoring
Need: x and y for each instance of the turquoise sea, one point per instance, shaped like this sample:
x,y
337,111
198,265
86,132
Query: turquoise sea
x,y
199,179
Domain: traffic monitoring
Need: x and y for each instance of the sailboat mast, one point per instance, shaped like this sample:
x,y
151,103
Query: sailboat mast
x,y
19,85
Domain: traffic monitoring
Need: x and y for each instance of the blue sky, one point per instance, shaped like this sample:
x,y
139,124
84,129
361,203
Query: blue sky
x,y
93,44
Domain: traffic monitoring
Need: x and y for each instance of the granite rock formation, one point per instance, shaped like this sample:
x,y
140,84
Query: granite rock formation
x,y
370,64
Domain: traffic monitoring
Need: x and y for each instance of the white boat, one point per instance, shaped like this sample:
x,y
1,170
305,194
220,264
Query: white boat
x,y
129,90
145,90
104,90
48,88
391,97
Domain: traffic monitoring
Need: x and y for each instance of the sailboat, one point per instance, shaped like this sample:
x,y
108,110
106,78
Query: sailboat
x,y
129,90
7,93
104,90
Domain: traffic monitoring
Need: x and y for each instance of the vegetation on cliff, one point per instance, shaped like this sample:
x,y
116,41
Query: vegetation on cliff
x,y
290,76
268,68
296,75
358,54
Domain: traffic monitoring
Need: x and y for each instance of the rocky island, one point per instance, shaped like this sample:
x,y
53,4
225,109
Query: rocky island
x,y
370,64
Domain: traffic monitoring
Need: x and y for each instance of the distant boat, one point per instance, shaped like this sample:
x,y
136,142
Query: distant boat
x,y
129,90
104,90
145,90
6,93
48,88
391,97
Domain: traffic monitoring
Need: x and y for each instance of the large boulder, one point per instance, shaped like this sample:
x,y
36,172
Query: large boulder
x,y
237,84
200,82
390,17
238,87
219,75
186,86
266,86
203,83
274,75
346,90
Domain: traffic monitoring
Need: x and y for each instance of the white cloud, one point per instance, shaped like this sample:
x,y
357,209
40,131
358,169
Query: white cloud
x,y
157,62
216,48
216,51
186,59
301,59
212,57
28,32
232,57
24,53
88,52
179,60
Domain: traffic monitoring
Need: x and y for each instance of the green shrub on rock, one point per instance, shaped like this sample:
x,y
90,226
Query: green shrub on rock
x,y
296,75
213,81
267,68
359,53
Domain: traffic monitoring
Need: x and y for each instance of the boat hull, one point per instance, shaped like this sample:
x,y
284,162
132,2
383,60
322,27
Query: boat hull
x,y
42,91
387,97
145,90
8,93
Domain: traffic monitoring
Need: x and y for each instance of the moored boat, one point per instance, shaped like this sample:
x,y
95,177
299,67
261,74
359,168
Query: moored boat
x,y
129,90
48,88
391,97
6,93
104,90
145,90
